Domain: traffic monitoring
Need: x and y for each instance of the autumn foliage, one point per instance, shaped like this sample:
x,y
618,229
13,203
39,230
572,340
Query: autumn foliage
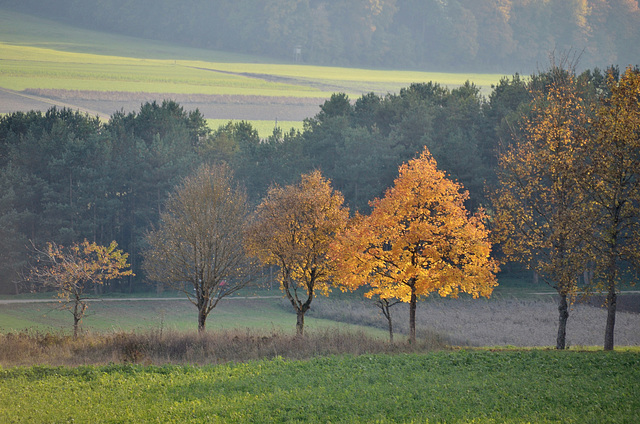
x,y
542,214
614,189
419,239
73,270
292,230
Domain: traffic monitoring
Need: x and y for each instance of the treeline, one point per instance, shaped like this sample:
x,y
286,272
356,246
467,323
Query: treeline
x,y
66,176
500,35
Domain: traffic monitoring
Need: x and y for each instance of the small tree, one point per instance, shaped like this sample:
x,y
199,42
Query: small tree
x,y
385,305
292,229
198,247
72,271
418,239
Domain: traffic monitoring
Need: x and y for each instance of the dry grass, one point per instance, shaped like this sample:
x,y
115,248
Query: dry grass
x,y
496,322
155,347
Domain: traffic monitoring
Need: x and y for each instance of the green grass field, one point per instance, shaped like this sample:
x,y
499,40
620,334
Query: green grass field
x,y
453,387
264,128
41,54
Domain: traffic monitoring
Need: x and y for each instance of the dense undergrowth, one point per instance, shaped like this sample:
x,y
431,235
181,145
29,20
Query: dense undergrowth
x,y
165,347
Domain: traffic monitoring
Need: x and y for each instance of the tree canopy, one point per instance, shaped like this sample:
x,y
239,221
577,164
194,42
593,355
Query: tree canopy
x,y
292,229
419,239
198,247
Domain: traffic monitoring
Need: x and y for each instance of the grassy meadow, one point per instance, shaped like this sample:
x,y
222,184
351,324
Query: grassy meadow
x,y
454,387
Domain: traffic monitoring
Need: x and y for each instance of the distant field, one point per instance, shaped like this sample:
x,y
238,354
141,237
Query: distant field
x,y
61,61
171,314
264,128
505,320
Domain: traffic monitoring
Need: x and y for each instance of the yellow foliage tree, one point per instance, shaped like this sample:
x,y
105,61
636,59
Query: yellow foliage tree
x,y
292,230
614,186
71,271
418,239
542,213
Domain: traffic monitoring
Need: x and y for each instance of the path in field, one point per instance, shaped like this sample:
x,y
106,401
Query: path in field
x,y
104,104
15,101
126,299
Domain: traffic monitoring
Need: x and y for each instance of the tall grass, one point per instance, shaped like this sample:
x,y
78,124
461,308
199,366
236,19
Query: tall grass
x,y
166,346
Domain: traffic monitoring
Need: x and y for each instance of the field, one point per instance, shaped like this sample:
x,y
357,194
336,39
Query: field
x,y
46,64
462,386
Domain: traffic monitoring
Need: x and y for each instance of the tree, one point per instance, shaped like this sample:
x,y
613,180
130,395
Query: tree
x,y
72,271
198,247
292,229
385,305
614,188
418,239
541,210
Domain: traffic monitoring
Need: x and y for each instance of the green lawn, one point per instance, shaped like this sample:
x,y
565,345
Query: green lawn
x,y
453,387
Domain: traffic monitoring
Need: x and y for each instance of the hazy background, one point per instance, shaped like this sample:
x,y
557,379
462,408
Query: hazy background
x,y
454,35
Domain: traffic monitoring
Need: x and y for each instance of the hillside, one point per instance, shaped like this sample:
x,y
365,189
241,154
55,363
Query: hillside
x,y
47,63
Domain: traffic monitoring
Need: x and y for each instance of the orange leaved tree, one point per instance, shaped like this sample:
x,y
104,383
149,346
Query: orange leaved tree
x,y
419,239
72,271
292,229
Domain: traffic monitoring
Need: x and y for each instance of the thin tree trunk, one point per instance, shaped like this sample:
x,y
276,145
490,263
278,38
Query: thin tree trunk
x,y
300,323
563,309
412,315
78,312
612,300
202,318
76,324
390,329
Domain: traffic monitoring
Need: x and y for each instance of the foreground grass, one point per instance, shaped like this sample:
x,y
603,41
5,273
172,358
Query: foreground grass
x,y
463,386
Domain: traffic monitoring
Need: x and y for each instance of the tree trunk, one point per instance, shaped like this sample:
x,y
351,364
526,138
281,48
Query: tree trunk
x,y
202,318
612,299
300,323
76,325
412,315
563,309
78,312
390,329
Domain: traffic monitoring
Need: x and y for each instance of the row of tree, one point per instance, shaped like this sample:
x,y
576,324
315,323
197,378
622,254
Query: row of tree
x,y
567,202
568,198
500,35
418,239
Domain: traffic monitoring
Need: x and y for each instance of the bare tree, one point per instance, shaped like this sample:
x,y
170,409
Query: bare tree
x,y
385,305
198,247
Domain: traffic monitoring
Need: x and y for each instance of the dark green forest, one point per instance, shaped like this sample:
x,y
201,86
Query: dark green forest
x,y
67,176
506,36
